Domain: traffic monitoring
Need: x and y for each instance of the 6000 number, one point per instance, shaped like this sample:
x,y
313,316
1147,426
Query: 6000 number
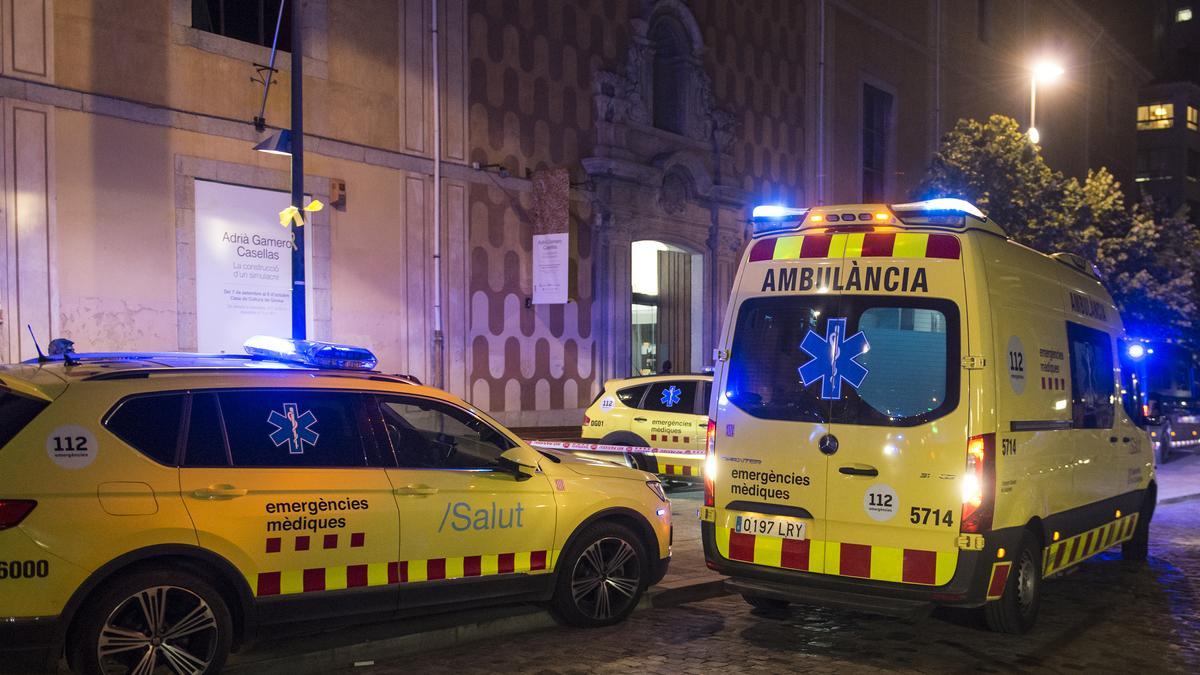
x,y
24,569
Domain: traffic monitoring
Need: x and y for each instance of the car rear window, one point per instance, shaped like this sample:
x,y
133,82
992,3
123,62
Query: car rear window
x,y
16,411
149,424
891,361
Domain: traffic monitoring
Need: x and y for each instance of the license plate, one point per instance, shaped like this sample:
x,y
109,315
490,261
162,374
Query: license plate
x,y
769,526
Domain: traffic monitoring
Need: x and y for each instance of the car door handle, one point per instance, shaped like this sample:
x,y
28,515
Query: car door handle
x,y
859,470
639,419
219,492
415,490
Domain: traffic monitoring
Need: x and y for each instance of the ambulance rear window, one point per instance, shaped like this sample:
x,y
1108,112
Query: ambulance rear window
x,y
872,360
15,412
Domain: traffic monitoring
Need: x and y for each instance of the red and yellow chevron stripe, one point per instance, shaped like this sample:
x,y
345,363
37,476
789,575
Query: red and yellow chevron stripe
x,y
880,563
1062,554
857,245
338,577
679,470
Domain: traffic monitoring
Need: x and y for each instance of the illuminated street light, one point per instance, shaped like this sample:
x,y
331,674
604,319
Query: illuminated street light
x,y
1044,71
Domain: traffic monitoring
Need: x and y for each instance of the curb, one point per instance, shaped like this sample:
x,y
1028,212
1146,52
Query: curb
x,y
501,622
1179,498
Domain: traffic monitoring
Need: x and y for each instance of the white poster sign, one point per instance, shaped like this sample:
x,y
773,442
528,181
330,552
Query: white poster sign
x,y
243,266
550,268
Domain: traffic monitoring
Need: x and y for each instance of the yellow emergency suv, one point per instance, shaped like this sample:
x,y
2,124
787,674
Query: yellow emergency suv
x,y
667,413
159,510
911,409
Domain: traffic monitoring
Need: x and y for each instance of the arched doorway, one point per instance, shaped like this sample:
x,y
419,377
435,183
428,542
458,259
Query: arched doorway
x,y
667,308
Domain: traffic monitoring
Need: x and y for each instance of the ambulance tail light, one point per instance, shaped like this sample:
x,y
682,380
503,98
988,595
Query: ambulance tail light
x,y
586,420
979,484
710,463
13,511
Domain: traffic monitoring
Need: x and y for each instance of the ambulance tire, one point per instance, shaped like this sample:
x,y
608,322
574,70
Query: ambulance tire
x,y
1016,610
117,616
768,605
601,577
1137,549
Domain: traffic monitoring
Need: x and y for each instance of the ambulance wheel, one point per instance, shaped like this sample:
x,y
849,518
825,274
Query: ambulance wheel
x,y
1138,548
601,578
153,621
1016,610
762,604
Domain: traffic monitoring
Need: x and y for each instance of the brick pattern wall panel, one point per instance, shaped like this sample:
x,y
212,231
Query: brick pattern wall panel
x,y
525,358
755,55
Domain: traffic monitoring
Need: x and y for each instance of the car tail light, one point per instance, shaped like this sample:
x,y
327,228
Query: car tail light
x,y
586,420
710,463
13,511
979,484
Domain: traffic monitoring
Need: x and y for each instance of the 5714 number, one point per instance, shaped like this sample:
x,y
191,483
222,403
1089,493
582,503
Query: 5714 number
x,y
920,515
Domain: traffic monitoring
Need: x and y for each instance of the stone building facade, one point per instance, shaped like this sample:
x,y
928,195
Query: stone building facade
x,y
672,117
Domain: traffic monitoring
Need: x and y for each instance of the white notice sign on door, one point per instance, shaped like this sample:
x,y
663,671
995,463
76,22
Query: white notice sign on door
x,y
551,268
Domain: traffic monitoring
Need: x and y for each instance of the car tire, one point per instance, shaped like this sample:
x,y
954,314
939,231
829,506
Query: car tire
x,y
1016,610
1137,549
602,577
762,604
173,617
1165,446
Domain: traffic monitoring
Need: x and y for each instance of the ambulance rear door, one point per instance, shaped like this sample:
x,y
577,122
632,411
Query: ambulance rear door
x,y
889,364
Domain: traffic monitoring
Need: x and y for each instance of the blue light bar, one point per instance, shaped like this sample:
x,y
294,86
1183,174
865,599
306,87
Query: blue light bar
x,y
311,353
776,212
941,205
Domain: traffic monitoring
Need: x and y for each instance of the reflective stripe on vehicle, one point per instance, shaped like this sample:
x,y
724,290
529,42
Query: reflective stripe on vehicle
x,y
857,245
1062,554
879,563
338,577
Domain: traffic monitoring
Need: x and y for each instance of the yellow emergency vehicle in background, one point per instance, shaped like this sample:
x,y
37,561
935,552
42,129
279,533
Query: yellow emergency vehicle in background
x,y
912,410
664,412
157,510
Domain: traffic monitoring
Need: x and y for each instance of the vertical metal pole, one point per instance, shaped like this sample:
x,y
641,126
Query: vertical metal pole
x,y
439,339
299,310
1032,101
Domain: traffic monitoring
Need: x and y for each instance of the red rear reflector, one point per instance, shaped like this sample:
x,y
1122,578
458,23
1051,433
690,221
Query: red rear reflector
x,y
586,420
13,511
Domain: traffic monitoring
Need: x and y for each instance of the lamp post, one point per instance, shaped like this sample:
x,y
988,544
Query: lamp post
x,y
1046,72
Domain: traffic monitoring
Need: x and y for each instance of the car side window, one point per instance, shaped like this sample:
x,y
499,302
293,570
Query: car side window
x,y
149,424
671,396
704,398
206,446
296,428
427,434
632,396
1093,386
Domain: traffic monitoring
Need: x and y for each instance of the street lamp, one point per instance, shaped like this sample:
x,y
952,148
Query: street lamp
x,y
1044,71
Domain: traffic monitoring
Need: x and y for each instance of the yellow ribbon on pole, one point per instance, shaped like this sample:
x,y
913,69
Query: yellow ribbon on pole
x,y
292,216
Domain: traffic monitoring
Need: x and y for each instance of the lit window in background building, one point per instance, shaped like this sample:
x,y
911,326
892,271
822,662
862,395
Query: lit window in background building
x,y
1193,118
1183,14
1156,116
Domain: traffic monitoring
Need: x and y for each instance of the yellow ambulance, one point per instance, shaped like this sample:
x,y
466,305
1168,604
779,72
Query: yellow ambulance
x,y
911,409
667,413
159,510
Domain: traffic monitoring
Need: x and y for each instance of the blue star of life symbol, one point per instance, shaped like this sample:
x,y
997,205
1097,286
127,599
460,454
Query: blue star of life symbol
x,y
670,396
293,428
833,359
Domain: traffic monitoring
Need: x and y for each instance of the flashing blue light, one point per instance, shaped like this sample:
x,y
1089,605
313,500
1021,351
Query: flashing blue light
x,y
1135,351
942,204
774,211
311,353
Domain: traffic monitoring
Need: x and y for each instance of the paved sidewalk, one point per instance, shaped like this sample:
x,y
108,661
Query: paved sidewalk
x,y
1179,478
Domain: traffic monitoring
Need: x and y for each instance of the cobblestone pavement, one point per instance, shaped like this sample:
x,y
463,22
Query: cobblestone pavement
x,y
1109,616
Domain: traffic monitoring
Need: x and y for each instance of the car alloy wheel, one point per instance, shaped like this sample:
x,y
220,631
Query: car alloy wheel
x,y
606,578
162,627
